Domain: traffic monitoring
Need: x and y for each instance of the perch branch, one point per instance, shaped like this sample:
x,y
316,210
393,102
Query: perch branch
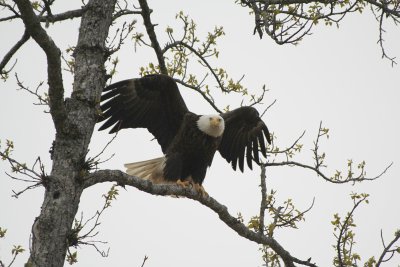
x,y
222,211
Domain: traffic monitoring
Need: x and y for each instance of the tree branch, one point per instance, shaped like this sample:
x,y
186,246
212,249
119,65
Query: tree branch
x,y
165,190
53,54
298,164
152,35
264,203
71,14
197,89
13,50
387,249
289,21
194,51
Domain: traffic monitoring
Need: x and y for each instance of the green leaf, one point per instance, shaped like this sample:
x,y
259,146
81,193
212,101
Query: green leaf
x,y
2,232
17,249
72,258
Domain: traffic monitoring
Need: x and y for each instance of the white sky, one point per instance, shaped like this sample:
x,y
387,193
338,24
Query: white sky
x,y
335,75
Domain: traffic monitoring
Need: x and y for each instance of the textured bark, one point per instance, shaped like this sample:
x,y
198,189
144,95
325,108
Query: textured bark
x,y
74,128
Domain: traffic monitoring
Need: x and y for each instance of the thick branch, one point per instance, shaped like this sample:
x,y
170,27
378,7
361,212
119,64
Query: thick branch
x,y
152,35
164,190
77,13
53,54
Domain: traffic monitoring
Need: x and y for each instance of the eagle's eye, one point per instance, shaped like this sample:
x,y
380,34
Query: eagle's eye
x,y
219,119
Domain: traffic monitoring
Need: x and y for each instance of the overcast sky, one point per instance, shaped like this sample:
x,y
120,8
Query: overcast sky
x,y
335,76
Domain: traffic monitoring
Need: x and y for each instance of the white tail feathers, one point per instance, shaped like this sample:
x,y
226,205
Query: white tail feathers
x,y
149,170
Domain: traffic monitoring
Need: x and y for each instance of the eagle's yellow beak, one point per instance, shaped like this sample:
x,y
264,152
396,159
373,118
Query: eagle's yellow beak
x,y
215,122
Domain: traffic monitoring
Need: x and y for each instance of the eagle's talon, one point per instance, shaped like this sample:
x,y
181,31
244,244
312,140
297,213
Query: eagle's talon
x,y
200,190
183,184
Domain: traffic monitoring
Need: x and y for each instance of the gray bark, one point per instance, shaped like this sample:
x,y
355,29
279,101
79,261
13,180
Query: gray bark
x,y
74,121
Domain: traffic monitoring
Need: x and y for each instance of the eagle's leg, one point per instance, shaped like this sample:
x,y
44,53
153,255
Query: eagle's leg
x,y
183,183
200,189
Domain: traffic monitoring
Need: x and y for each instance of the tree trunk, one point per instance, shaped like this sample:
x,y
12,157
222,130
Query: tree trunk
x,y
64,187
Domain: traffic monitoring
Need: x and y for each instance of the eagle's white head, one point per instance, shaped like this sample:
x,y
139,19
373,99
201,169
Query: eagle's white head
x,y
212,125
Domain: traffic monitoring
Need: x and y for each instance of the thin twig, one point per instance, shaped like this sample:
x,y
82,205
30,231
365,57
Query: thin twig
x,y
13,50
197,89
144,260
386,249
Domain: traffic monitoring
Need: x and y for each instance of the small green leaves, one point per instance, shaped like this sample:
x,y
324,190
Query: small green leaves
x,y
370,263
36,5
8,149
72,257
359,197
111,195
254,223
16,250
169,30
2,232
345,235
325,132
397,233
150,69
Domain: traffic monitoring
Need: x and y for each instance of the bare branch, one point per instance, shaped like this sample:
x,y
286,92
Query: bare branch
x,y
10,8
222,211
380,41
144,260
122,33
125,12
43,99
21,168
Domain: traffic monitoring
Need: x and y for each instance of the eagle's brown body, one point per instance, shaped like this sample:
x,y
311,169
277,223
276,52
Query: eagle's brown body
x,y
189,141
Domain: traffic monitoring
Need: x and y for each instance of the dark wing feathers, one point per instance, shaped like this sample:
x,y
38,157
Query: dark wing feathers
x,y
243,136
151,102
248,155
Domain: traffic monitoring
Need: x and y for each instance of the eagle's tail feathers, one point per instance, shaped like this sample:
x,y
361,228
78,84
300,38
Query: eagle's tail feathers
x,y
148,170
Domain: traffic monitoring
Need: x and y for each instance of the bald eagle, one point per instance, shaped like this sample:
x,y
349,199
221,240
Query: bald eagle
x,y
188,141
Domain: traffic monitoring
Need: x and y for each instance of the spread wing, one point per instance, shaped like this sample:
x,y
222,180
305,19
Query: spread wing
x,y
151,102
243,135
